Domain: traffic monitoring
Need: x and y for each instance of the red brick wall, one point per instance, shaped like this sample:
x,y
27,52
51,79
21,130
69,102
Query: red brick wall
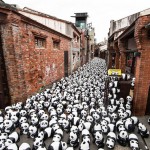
x,y
121,46
117,58
29,68
142,70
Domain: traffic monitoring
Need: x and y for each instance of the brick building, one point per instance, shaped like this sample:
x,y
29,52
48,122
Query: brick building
x,y
128,45
32,55
65,27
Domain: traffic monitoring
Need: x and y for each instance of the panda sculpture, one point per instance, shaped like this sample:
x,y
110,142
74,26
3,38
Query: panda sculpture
x,y
32,132
135,120
73,139
1,122
38,142
85,135
143,130
96,127
8,142
41,148
24,128
75,129
12,146
133,142
99,139
66,125
3,136
14,137
46,133
15,121
148,120
23,113
22,119
24,146
43,124
129,125
111,140
57,146
8,126
122,138
35,120
85,145
58,135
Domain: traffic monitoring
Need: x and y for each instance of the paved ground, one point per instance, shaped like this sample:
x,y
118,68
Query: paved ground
x,y
93,146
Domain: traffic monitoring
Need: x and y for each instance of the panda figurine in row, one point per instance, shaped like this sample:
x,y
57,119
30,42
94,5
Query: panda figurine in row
x,y
111,140
148,120
58,146
73,139
142,130
46,133
74,105
133,142
24,146
122,138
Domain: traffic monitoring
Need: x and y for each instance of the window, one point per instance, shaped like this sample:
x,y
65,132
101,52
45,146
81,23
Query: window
x,y
129,59
56,43
130,62
40,42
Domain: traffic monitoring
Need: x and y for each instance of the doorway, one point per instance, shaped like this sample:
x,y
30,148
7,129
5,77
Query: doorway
x,y
148,103
66,63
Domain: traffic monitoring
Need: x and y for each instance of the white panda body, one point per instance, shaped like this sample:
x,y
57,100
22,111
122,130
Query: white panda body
x,y
84,146
24,146
14,136
57,146
13,146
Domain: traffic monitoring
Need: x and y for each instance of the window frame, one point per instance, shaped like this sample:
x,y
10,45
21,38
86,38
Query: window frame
x,y
40,43
56,44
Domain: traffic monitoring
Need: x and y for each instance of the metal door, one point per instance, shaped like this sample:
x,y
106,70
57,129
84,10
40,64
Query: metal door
x,y
66,63
4,91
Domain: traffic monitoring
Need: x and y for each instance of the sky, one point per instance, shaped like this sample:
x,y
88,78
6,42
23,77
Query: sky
x,y
100,11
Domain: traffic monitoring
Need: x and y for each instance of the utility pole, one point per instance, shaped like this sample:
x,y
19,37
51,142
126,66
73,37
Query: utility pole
x,y
87,35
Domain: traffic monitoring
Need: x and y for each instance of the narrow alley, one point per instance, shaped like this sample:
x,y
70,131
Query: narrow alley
x,y
76,112
63,88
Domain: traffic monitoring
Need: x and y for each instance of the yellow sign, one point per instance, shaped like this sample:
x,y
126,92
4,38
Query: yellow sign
x,y
114,72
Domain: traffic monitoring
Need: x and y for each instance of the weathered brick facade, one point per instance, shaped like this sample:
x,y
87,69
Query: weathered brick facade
x,y
142,61
29,68
142,66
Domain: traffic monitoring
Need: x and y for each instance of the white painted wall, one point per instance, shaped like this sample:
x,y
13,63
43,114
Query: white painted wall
x,y
117,25
51,23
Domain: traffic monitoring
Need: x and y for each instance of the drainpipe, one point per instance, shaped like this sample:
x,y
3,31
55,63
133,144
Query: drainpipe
x,y
71,57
